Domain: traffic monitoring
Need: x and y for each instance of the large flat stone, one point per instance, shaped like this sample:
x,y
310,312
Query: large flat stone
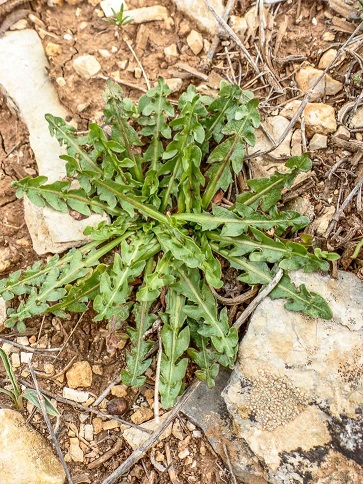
x,y
23,74
296,394
25,456
24,77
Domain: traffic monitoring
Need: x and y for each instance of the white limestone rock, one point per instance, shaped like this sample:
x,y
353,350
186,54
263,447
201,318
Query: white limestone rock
x,y
109,5
25,456
195,42
306,78
296,393
327,57
319,117
54,232
318,142
135,437
23,75
86,66
199,13
275,126
151,14
357,119
75,395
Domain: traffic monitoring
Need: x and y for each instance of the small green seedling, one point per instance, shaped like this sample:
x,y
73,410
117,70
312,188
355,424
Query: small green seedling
x,y
17,394
118,18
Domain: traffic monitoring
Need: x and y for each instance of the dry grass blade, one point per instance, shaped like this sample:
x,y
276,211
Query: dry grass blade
x,y
233,36
49,425
343,206
140,452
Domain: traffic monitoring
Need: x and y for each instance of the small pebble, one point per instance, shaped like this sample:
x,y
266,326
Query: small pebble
x,y
15,360
117,406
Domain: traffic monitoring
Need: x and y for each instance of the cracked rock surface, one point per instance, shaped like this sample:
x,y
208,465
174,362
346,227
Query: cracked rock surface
x,y
295,396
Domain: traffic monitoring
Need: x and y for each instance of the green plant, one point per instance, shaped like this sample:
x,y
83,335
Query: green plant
x,y
17,394
156,176
118,18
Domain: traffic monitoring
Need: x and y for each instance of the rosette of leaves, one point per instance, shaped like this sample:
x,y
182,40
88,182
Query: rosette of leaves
x,y
155,175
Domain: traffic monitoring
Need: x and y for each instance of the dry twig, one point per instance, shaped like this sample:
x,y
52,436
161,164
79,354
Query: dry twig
x,y
107,455
343,206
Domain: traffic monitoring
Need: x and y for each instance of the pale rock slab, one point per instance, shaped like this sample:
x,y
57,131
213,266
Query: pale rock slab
x,y
86,66
79,375
343,133
322,222
75,395
327,57
274,126
25,456
238,24
150,14
24,77
75,451
297,403
319,117
109,5
54,232
306,78
135,437
318,142
175,84
199,13
357,119
195,42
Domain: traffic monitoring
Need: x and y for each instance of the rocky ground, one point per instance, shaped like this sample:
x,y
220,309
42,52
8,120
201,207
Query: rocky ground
x,y
65,52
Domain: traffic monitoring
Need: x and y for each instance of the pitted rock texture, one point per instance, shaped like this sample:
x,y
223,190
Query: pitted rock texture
x,y
296,394
25,456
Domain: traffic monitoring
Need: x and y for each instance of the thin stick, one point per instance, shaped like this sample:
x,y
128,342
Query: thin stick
x,y
68,365
121,81
230,32
29,348
106,391
87,409
229,465
141,451
215,43
107,455
232,301
139,64
258,299
49,425
343,206
157,380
